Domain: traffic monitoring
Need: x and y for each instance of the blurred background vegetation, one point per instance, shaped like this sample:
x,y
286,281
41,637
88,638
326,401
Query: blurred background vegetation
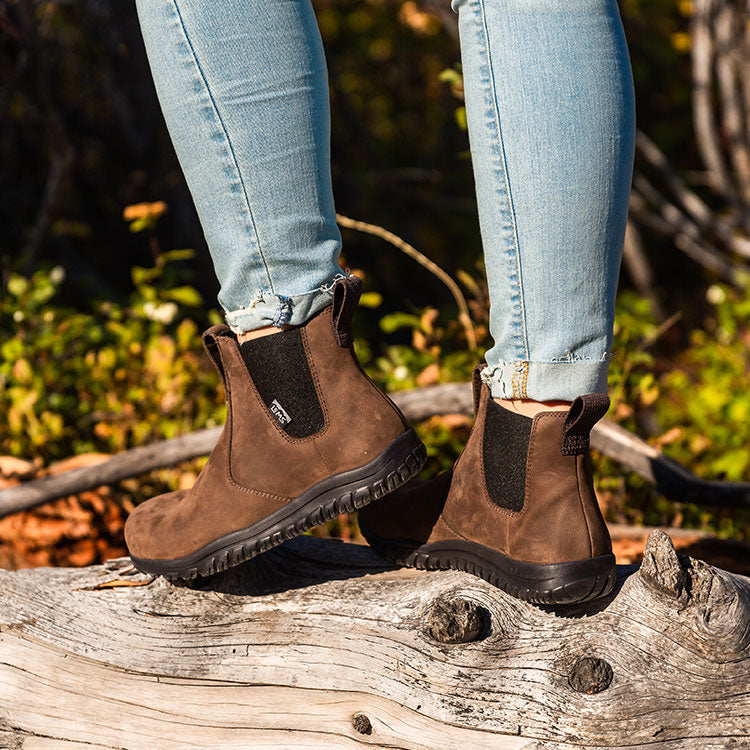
x,y
107,281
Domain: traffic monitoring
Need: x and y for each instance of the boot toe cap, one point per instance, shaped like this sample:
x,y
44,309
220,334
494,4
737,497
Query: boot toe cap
x,y
151,525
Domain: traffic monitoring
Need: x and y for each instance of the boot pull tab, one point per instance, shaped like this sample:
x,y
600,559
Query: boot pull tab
x,y
584,413
476,385
211,346
346,294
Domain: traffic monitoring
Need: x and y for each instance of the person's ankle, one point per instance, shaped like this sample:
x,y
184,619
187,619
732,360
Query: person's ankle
x,y
529,407
259,332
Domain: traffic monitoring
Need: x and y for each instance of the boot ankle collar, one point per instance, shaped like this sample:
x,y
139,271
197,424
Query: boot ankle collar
x,y
210,340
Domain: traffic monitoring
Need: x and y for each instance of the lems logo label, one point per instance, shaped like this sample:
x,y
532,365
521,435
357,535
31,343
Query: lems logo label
x,y
280,413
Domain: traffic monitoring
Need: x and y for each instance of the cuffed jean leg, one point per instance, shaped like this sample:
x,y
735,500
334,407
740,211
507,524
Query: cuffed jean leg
x,y
244,91
550,110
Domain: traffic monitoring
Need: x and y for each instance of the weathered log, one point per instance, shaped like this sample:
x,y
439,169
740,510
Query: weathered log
x,y
671,478
320,644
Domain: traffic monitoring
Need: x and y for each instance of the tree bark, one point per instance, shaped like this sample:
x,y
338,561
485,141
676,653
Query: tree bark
x,y
321,644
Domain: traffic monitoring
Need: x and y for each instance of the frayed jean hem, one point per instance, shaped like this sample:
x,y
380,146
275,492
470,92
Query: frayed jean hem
x,y
269,309
562,380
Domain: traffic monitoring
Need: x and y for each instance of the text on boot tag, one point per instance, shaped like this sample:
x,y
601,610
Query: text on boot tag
x,y
280,413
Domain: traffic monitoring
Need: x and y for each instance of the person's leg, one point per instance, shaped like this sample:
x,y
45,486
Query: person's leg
x,y
550,111
549,103
244,91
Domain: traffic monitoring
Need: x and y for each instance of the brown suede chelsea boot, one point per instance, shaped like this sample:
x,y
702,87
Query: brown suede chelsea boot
x,y
518,508
308,436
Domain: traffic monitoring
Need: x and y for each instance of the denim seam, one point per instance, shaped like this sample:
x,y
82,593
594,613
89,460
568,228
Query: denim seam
x,y
517,297
227,139
513,376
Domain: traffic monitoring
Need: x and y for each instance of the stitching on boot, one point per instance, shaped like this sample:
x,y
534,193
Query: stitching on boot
x,y
532,452
583,509
316,383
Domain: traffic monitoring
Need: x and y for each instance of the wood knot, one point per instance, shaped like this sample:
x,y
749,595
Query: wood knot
x,y
361,724
590,675
661,567
455,620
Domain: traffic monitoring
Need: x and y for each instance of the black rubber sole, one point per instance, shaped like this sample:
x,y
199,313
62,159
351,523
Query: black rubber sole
x,y
341,493
555,583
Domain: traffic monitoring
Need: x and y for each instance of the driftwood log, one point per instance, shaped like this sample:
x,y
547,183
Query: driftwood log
x,y
671,478
320,644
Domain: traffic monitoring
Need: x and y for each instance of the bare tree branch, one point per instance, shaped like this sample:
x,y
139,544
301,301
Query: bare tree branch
x,y
670,221
728,24
701,214
706,130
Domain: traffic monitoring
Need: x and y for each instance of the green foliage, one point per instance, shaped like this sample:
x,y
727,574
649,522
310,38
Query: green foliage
x,y
693,403
107,380
129,370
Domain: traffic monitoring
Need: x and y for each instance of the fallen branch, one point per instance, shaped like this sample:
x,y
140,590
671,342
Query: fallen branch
x,y
321,644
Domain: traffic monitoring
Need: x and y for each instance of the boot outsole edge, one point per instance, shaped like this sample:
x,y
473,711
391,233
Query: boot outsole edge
x,y
341,493
573,582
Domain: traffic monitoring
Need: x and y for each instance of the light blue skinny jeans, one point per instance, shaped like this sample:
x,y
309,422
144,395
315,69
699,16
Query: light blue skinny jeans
x,y
550,108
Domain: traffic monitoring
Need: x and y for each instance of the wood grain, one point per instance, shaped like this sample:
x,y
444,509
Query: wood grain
x,y
306,646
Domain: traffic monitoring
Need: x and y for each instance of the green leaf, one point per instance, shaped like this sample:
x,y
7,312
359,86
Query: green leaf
x,y
371,299
184,295
395,321
467,281
17,285
171,255
141,275
460,116
139,225
732,464
215,318
451,76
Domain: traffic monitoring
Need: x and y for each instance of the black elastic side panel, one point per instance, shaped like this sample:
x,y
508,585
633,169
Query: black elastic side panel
x,y
279,368
506,445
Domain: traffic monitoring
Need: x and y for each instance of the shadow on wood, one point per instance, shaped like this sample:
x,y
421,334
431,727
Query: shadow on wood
x,y
322,644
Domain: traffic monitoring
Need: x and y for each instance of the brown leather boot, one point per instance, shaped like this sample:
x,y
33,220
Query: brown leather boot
x,y
308,436
518,508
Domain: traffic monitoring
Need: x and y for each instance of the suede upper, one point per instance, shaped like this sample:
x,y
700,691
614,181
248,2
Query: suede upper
x,y
256,467
558,521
